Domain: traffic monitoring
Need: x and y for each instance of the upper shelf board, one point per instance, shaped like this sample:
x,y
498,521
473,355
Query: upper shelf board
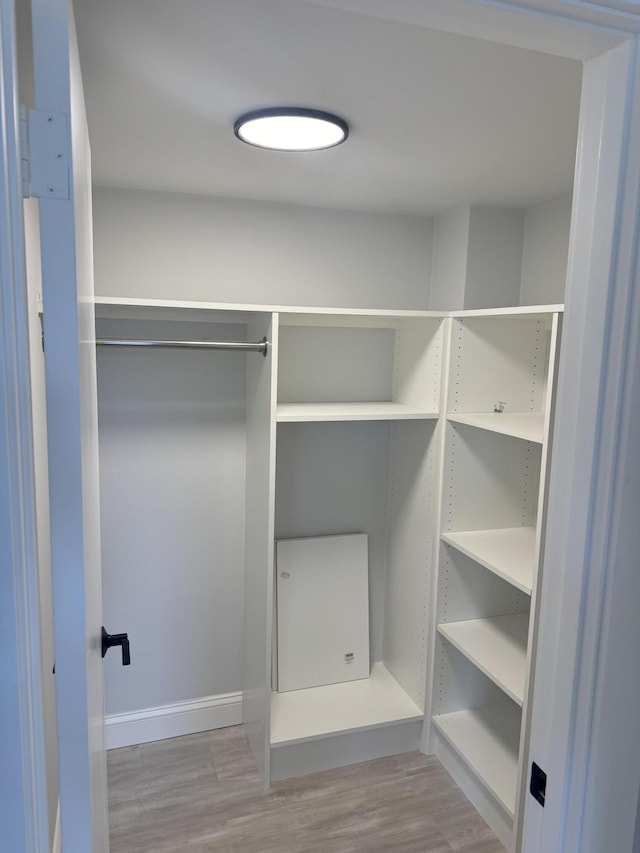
x,y
529,311
131,307
526,425
508,552
309,412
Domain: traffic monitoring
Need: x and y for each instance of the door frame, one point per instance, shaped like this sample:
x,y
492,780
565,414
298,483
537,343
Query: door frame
x,y
23,790
593,371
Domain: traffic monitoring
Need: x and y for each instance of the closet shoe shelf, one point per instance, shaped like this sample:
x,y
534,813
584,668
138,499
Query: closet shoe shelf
x,y
497,646
487,741
526,425
508,552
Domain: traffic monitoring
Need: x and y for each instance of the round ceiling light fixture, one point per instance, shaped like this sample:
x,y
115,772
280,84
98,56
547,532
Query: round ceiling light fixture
x,y
291,129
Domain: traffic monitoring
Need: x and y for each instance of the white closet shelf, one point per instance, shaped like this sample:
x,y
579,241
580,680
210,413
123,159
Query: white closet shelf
x,y
497,646
508,552
308,412
487,741
319,712
526,425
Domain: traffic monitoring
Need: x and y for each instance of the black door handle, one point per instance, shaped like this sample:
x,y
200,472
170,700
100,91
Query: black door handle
x,y
109,640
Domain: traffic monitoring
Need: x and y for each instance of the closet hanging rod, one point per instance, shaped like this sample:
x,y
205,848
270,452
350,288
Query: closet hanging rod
x,y
238,346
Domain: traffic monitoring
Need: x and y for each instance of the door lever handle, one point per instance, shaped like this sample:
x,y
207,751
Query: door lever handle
x,y
109,640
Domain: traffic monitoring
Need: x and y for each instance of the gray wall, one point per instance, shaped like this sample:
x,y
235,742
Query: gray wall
x,y
449,272
497,257
172,424
164,245
545,252
172,483
494,257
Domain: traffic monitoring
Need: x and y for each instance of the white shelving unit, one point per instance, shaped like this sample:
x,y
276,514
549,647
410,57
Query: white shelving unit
x,y
357,419
384,423
494,461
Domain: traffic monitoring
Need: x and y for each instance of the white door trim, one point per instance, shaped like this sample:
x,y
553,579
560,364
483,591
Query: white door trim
x,y
23,794
614,468
581,514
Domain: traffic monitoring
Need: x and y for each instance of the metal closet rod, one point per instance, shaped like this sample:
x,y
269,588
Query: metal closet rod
x,y
237,346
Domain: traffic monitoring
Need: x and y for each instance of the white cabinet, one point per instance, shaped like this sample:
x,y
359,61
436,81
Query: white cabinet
x,y
495,455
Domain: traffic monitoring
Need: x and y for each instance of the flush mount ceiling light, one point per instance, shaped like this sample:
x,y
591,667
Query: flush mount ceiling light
x,y
291,129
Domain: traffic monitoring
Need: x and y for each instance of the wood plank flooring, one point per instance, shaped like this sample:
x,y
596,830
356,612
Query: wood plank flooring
x,y
201,794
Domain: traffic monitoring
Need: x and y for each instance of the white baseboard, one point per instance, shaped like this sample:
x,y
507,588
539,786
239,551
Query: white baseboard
x,y
57,841
180,718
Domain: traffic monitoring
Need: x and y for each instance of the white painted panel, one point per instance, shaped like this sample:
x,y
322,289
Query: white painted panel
x,y
172,454
259,543
498,359
410,526
493,480
167,246
418,363
335,365
323,610
332,479
366,744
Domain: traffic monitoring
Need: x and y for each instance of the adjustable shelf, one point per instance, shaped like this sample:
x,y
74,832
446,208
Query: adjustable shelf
x,y
318,412
497,646
335,368
508,552
486,739
525,425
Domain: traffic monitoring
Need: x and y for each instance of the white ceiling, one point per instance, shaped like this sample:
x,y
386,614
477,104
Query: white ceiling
x,y
437,120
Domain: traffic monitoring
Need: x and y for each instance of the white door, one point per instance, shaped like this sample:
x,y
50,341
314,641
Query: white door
x,y
59,131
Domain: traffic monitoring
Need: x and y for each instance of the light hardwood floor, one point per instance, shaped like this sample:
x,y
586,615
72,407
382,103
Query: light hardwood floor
x,y
201,794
